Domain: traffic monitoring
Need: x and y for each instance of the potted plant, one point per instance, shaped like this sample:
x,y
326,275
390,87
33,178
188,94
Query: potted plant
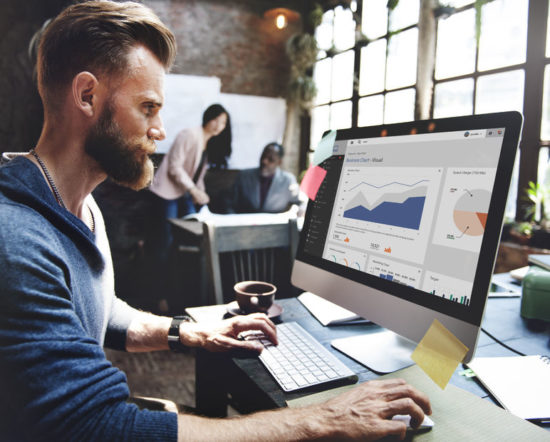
x,y
539,195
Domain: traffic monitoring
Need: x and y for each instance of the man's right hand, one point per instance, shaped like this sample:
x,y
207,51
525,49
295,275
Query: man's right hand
x,y
198,196
365,412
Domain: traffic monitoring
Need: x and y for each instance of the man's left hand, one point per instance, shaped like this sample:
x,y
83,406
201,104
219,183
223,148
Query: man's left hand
x,y
224,335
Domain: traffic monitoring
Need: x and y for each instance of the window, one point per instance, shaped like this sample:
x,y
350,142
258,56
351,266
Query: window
x,y
502,65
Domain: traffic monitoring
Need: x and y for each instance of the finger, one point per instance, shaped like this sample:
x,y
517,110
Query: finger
x,y
407,390
405,406
260,322
391,428
231,343
388,383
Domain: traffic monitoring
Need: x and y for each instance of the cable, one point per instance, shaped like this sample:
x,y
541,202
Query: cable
x,y
502,343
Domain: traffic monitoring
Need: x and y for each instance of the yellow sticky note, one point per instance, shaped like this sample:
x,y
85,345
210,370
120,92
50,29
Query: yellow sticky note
x,y
439,353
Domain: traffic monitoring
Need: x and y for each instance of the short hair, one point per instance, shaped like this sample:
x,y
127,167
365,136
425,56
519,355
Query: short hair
x,y
275,147
97,36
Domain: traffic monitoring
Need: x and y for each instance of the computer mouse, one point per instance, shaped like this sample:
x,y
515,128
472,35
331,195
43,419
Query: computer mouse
x,y
426,424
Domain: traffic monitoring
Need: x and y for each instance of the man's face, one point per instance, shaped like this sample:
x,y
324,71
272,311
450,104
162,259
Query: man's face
x,y
124,135
269,162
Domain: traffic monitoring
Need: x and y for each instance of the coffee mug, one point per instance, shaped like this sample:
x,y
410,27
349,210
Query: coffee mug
x,y
254,296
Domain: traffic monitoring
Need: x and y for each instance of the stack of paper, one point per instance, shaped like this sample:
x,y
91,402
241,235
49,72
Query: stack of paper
x,y
328,313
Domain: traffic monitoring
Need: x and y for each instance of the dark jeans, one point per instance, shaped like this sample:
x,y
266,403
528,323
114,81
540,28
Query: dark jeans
x,y
160,244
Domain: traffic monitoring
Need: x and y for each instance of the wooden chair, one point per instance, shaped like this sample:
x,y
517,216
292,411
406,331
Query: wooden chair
x,y
251,249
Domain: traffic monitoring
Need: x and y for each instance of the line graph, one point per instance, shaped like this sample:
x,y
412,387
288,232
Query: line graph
x,y
397,208
388,184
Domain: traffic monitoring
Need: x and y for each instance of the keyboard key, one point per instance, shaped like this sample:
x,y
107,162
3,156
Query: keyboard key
x,y
299,360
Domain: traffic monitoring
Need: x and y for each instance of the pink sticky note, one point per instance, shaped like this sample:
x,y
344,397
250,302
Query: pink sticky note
x,y
312,181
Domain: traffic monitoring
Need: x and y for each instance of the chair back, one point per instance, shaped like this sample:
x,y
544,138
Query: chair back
x,y
247,252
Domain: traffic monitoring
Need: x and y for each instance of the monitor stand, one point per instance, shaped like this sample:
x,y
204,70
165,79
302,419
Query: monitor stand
x,y
383,352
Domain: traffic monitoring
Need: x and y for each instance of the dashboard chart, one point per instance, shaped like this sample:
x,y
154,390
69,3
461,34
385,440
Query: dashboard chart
x,y
394,208
385,210
465,201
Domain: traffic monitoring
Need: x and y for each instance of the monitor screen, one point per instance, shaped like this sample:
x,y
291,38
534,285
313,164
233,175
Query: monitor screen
x,y
415,210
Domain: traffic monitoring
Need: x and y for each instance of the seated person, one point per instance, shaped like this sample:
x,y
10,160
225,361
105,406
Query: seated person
x,y
266,188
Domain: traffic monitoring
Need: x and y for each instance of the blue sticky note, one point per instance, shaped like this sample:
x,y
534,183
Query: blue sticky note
x,y
324,148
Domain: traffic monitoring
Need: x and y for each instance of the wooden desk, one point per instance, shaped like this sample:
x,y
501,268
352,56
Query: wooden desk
x,y
252,388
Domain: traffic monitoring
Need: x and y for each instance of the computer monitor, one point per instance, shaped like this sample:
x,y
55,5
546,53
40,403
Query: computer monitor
x,y
405,228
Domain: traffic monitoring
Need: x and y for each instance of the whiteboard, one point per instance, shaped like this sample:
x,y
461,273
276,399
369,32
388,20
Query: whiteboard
x,y
255,121
186,97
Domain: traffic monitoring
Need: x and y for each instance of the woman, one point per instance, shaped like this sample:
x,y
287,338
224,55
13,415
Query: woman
x,y
179,180
178,186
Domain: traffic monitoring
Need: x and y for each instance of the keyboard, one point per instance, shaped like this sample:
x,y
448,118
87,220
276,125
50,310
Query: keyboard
x,y
300,361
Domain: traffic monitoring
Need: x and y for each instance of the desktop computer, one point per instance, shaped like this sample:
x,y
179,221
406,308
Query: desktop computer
x,y
405,228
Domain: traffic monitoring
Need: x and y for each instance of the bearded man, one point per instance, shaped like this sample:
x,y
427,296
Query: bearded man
x,y
101,67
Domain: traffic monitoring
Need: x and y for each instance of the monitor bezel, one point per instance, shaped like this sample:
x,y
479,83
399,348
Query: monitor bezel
x,y
512,124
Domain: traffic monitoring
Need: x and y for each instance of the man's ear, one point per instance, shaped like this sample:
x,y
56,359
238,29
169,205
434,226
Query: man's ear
x,y
84,93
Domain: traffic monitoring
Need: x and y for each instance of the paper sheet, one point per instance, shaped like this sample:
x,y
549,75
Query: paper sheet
x,y
439,353
312,181
324,148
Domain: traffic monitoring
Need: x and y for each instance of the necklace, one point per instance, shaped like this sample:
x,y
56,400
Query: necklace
x,y
56,193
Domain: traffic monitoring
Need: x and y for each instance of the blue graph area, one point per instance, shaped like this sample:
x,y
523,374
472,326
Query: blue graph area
x,y
407,214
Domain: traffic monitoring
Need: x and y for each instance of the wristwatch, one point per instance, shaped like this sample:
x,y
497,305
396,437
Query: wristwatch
x,y
174,333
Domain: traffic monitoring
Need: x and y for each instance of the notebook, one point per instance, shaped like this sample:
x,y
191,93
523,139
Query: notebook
x,y
521,384
328,313
540,260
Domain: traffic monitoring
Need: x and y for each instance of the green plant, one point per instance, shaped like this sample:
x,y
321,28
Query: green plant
x,y
539,195
302,51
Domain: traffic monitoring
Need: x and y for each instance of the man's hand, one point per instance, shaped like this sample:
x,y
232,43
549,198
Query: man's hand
x,y
224,335
198,196
365,412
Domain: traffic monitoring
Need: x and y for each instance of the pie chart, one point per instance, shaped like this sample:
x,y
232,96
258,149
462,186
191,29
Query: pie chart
x,y
470,212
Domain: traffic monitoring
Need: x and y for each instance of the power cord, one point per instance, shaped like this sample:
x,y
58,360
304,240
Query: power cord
x,y
502,343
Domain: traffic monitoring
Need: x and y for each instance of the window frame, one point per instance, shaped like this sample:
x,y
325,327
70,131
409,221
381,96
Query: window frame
x,y
533,67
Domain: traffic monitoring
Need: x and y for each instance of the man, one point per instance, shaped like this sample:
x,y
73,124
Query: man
x,y
100,73
266,188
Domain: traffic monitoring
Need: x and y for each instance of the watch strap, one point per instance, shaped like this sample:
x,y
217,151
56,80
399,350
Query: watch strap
x,y
174,333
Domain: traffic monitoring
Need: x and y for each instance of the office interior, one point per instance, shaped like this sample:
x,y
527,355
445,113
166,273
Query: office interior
x,y
374,62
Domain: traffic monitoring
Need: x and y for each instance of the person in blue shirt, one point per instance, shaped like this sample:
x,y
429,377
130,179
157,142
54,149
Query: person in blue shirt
x,y
101,67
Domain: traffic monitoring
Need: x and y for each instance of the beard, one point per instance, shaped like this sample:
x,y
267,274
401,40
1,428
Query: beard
x,y
125,162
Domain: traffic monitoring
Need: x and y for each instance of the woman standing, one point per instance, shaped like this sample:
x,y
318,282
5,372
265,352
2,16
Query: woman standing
x,y
178,186
179,180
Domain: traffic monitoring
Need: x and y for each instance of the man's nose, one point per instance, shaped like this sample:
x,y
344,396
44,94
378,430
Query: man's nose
x,y
157,131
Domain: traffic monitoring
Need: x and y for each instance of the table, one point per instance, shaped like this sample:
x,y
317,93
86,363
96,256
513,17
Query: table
x,y
243,380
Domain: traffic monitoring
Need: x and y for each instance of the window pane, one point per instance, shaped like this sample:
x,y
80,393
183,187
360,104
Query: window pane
x,y
456,45
342,76
371,111
405,14
319,124
503,39
375,18
402,50
545,127
340,115
373,67
500,92
399,106
344,29
510,210
321,76
454,98
323,33
543,175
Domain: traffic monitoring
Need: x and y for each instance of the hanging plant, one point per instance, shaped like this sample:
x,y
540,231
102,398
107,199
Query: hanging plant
x,y
302,51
